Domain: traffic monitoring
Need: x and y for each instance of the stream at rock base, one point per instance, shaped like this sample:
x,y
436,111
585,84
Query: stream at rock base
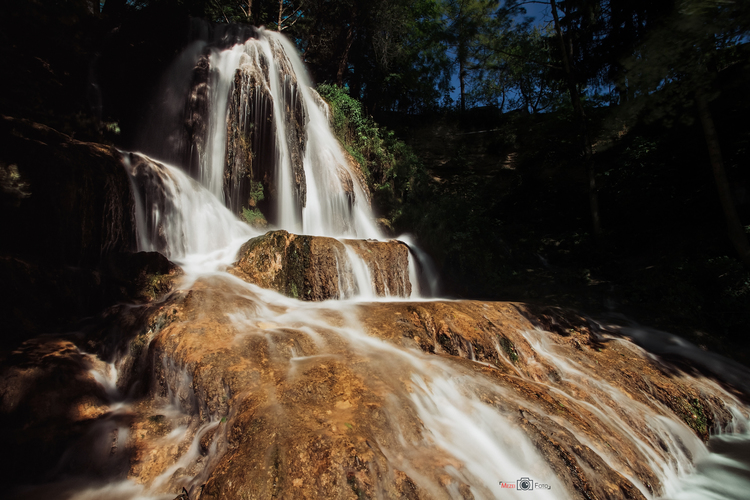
x,y
230,390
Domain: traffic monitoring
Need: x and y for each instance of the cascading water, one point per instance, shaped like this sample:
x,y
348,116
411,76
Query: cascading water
x,y
178,217
277,135
229,390
255,123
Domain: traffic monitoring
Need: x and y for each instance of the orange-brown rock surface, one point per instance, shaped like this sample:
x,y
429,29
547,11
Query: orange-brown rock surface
x,y
318,268
237,392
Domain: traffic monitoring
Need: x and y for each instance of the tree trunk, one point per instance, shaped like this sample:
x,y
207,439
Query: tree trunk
x,y
734,224
281,10
461,80
114,7
581,115
344,60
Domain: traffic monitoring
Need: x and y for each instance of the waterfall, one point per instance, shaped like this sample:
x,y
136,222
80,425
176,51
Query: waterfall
x,y
253,118
253,134
180,218
226,389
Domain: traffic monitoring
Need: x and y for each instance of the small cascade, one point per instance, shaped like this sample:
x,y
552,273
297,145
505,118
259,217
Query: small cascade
x,y
380,266
360,274
318,268
180,218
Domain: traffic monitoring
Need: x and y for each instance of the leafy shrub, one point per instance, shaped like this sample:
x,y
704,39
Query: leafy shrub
x,y
254,217
388,163
256,192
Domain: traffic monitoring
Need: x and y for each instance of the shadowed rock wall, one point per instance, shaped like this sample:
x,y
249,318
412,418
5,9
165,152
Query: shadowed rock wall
x,y
68,232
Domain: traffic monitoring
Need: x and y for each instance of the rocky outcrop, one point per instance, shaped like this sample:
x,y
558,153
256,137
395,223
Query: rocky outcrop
x,y
195,121
319,268
251,139
337,402
47,396
140,277
387,263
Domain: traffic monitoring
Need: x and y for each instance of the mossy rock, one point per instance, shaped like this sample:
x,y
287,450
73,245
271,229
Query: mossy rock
x,y
315,268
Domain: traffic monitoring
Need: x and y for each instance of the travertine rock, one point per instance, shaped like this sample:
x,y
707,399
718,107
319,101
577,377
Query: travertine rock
x,y
319,268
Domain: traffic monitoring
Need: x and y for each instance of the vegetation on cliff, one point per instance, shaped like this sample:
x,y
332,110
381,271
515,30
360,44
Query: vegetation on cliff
x,y
389,165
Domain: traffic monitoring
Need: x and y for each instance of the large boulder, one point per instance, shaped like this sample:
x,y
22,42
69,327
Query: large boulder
x,y
320,268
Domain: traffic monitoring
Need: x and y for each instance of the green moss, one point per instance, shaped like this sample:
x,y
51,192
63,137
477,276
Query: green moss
x,y
298,261
351,480
697,417
138,344
254,217
159,425
256,192
509,348
155,285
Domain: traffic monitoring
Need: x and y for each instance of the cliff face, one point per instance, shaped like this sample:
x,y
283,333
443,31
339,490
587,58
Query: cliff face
x,y
65,201
252,141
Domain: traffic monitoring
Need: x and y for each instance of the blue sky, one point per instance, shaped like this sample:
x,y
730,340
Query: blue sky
x,y
537,9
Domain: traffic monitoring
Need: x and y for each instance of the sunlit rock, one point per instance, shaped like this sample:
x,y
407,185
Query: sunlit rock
x,y
233,390
319,268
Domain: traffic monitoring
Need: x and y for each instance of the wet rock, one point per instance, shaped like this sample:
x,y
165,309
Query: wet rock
x,y
251,140
47,395
195,123
141,276
252,134
319,268
232,395
388,263
327,425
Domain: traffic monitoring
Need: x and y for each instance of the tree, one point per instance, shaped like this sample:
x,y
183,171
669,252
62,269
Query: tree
x,y
677,65
466,20
513,68
566,50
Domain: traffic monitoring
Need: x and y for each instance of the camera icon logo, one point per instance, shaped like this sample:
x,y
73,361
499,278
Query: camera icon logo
x,y
524,484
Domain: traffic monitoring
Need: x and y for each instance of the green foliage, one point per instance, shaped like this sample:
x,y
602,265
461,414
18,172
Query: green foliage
x,y
509,348
254,217
256,192
390,165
